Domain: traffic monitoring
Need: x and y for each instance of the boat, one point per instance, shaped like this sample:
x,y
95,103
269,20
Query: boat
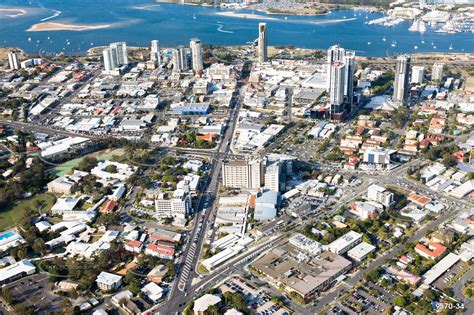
x,y
422,41
384,39
451,47
194,16
286,18
394,43
29,39
415,47
369,43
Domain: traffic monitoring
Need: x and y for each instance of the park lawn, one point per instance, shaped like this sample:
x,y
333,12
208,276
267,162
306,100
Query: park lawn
x,y
67,167
10,217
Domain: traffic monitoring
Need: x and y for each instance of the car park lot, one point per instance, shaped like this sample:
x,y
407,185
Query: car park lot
x,y
33,291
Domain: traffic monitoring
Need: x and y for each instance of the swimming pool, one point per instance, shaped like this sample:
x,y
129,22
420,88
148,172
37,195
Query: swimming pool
x,y
6,235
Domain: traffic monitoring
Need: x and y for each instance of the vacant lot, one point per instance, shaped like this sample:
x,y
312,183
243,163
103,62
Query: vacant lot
x,y
11,216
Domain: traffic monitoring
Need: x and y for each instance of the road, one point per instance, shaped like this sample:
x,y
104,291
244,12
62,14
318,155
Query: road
x,y
179,292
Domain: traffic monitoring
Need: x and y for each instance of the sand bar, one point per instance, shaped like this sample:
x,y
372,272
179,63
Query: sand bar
x,y
52,26
12,12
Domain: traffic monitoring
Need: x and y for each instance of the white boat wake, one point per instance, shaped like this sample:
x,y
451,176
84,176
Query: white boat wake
x,y
55,14
220,28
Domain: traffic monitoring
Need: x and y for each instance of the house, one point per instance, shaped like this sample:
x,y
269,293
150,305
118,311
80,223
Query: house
x,y
153,291
133,246
157,274
108,281
433,251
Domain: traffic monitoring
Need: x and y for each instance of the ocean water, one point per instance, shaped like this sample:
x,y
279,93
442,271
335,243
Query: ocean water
x,y
137,22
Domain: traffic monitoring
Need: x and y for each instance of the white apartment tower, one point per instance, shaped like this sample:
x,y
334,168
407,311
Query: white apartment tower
x,y
336,83
349,60
245,174
417,74
155,52
272,176
110,58
13,60
262,42
402,76
347,57
121,51
438,69
196,53
180,59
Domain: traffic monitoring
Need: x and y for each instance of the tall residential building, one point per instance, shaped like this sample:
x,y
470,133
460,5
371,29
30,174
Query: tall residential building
x,y
13,60
402,77
155,52
110,58
349,60
438,69
196,53
180,59
334,53
246,174
262,42
272,176
336,83
121,52
417,74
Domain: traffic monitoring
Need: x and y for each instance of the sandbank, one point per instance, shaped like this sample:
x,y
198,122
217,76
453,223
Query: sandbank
x,y
53,26
246,16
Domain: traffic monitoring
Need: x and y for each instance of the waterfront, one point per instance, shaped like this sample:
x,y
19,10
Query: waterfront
x,y
138,22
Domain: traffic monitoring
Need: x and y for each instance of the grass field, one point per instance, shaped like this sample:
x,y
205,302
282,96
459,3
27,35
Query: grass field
x,y
66,167
10,217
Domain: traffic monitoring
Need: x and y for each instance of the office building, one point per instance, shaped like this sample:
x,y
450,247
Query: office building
x,y
298,271
417,74
437,74
13,60
336,83
196,54
177,206
180,59
262,42
121,52
155,52
402,75
16,271
380,194
245,174
110,59
345,243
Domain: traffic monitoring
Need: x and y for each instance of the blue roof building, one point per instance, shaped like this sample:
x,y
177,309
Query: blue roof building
x,y
192,109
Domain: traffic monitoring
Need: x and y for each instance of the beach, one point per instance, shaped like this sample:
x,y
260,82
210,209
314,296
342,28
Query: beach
x,y
52,26
246,16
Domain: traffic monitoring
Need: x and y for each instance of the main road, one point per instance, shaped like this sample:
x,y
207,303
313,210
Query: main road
x,y
178,295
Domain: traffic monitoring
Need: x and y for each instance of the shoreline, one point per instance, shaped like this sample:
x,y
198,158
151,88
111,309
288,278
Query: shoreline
x,y
249,16
55,26
435,55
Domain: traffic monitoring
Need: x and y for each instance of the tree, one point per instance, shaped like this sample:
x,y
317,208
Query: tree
x,y
212,310
373,275
38,246
449,160
87,164
400,301
111,169
7,295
